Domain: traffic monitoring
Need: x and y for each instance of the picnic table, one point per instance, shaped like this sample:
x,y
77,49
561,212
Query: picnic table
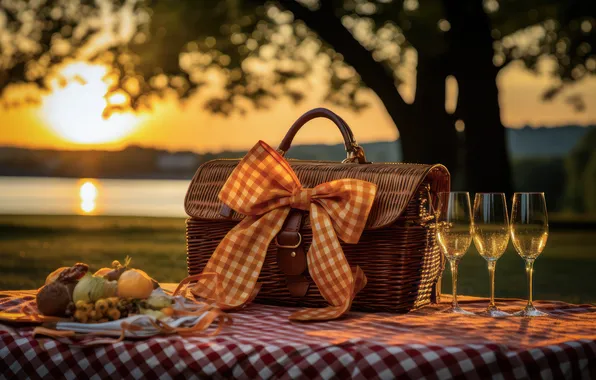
x,y
263,343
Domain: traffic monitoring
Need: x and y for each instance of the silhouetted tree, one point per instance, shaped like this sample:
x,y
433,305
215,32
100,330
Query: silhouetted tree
x,y
258,51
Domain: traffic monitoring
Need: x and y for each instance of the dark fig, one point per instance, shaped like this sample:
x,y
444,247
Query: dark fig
x,y
53,299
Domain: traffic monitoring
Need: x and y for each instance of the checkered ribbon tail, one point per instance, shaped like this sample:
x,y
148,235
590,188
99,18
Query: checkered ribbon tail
x,y
264,188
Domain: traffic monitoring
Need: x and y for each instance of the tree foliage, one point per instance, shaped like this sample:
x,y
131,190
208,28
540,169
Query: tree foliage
x,y
254,52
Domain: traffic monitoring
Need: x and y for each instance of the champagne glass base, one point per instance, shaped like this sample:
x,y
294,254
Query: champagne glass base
x,y
456,310
531,311
494,312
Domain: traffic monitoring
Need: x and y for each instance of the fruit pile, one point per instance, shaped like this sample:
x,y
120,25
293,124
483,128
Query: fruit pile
x,y
102,310
113,308
109,294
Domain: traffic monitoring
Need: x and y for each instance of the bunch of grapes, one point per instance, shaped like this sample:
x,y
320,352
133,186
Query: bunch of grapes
x,y
127,306
103,310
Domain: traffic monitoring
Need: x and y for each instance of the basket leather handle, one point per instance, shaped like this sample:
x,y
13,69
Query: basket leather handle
x,y
353,150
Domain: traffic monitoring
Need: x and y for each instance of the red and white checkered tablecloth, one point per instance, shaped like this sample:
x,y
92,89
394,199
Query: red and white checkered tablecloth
x,y
263,343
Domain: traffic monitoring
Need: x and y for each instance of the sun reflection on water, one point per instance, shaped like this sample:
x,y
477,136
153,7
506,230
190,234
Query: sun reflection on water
x,y
88,194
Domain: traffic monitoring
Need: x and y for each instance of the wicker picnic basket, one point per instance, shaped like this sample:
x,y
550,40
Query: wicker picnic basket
x,y
397,251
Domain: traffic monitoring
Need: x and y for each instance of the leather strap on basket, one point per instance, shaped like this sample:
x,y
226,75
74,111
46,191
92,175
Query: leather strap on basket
x,y
265,188
291,257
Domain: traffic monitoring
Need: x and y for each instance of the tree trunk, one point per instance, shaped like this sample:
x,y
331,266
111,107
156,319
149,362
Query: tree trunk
x,y
429,136
434,139
486,157
487,161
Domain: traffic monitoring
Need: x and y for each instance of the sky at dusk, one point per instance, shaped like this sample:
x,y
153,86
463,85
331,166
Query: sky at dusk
x,y
70,118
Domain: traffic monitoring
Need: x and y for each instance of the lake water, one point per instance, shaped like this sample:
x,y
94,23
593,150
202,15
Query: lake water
x,y
71,196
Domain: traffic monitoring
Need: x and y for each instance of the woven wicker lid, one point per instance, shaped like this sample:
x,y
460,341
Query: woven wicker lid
x,y
396,185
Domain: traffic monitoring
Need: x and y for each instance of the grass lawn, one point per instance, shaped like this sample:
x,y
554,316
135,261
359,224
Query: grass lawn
x,y
33,246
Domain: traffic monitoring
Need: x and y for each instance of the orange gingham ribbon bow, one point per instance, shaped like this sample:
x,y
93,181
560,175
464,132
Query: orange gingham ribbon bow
x,y
264,188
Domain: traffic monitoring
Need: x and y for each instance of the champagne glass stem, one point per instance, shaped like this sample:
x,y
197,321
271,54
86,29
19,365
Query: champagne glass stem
x,y
529,273
453,264
491,271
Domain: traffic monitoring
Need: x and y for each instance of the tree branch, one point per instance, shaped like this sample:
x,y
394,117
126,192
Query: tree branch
x,y
373,74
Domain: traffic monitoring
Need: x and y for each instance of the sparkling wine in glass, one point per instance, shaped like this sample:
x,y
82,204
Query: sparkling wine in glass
x,y
529,233
454,235
491,236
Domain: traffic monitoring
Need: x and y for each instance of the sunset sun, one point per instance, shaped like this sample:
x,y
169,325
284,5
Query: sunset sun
x,y
74,112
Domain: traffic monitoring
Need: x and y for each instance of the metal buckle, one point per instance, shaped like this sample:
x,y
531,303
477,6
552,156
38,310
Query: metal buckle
x,y
350,158
355,154
290,246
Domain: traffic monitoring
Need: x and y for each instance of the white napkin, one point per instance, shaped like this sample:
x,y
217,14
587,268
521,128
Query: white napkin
x,y
114,328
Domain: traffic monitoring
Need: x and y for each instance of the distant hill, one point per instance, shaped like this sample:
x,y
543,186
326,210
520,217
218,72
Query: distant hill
x,y
544,142
527,142
140,162
385,151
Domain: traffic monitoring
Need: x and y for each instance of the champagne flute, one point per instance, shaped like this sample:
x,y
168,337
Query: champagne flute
x,y
529,232
453,234
491,235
